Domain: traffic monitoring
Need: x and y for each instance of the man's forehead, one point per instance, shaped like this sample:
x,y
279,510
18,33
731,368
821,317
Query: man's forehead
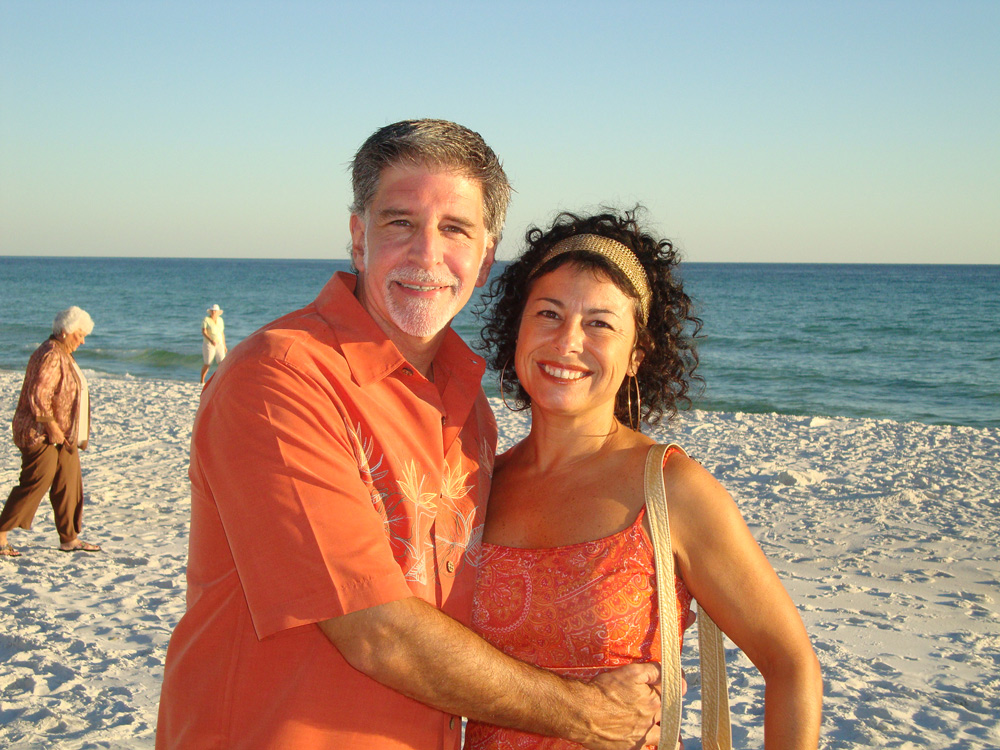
x,y
400,183
418,167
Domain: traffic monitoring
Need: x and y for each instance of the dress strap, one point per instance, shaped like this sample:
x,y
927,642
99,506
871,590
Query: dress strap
x,y
715,728
670,449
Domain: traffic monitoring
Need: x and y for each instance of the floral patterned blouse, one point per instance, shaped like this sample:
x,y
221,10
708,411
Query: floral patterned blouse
x,y
50,392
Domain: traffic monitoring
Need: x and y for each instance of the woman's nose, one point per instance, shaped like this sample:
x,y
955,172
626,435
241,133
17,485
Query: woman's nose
x,y
569,337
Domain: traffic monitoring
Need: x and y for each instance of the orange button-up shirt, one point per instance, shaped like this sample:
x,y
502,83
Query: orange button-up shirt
x,y
327,476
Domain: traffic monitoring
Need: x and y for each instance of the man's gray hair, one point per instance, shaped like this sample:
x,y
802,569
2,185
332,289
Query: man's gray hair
x,y
436,144
71,320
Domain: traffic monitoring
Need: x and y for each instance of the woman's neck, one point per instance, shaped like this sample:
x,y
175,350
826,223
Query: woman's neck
x,y
557,442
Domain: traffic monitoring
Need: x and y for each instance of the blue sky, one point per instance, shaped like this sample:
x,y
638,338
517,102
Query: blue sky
x,y
751,131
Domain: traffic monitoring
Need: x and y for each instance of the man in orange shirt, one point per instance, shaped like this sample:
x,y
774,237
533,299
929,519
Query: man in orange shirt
x,y
340,464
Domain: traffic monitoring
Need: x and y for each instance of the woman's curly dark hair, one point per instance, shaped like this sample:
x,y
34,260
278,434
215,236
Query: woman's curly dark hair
x,y
667,340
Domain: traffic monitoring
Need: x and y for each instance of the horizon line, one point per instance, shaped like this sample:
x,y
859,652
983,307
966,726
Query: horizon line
x,y
499,260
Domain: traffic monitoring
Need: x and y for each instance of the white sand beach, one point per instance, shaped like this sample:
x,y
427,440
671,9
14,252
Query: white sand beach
x,y
884,533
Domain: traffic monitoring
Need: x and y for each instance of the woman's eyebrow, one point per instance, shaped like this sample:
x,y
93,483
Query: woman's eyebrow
x,y
591,311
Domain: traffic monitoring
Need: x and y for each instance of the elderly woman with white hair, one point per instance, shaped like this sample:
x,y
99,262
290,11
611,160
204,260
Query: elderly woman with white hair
x,y
51,426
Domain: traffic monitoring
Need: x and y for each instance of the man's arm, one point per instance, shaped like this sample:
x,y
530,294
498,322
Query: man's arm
x,y
415,649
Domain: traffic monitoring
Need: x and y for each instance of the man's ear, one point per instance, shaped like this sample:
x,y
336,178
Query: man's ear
x,y
358,229
488,260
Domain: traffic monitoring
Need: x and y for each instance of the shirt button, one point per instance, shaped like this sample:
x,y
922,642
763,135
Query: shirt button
x,y
451,569
443,420
407,371
451,723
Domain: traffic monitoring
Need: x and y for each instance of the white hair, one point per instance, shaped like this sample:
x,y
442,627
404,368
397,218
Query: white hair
x,y
71,320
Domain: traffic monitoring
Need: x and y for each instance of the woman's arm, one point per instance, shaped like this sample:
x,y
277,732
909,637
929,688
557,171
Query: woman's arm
x,y
726,571
41,395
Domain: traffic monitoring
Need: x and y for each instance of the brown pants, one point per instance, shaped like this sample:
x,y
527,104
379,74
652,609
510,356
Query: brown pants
x,y
58,471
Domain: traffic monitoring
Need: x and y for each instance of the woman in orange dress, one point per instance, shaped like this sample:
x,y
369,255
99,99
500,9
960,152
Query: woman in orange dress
x,y
591,329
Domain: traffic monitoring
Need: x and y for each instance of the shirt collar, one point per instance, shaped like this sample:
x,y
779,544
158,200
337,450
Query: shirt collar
x,y
369,352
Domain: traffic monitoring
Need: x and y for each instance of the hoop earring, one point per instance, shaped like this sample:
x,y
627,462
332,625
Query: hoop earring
x,y
628,395
502,394
638,405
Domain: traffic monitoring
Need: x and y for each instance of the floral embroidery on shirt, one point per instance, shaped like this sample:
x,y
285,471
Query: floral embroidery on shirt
x,y
392,507
411,486
451,513
402,539
474,548
486,458
456,533
408,533
453,484
453,538
363,453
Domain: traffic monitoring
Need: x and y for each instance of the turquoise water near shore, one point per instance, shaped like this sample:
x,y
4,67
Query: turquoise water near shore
x,y
902,342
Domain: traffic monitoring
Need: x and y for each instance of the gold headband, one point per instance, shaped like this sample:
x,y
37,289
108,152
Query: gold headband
x,y
615,252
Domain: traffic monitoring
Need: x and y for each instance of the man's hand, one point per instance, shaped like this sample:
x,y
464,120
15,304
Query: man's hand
x,y
630,715
633,695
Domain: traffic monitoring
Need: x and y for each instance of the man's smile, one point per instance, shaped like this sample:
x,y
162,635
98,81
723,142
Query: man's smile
x,y
423,287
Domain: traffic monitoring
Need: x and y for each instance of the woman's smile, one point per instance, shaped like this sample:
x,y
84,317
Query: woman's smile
x,y
562,372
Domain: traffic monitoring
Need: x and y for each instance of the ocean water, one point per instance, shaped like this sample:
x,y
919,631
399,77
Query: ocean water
x,y
901,342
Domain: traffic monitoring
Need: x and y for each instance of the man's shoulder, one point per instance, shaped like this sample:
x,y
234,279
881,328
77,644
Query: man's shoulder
x,y
302,340
296,356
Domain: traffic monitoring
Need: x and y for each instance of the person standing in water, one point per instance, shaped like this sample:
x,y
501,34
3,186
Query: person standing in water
x,y
213,344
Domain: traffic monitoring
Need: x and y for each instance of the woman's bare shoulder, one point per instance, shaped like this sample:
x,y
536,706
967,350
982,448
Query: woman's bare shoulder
x,y
689,484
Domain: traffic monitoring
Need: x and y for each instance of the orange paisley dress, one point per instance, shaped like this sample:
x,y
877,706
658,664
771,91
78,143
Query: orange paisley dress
x,y
577,610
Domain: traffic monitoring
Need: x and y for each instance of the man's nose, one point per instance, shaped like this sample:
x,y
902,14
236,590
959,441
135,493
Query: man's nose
x,y
427,248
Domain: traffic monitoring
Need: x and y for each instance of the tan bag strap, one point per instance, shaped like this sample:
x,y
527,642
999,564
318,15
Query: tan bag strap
x,y
715,729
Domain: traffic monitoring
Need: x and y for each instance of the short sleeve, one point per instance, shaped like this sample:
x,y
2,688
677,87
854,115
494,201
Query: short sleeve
x,y
271,447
